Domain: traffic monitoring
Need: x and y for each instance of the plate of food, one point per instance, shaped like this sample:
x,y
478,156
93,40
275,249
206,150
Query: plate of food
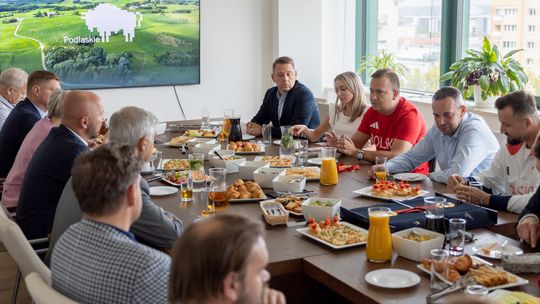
x,y
245,147
310,173
392,190
276,161
174,164
493,249
334,233
177,141
247,137
175,178
490,277
200,133
292,203
410,177
245,191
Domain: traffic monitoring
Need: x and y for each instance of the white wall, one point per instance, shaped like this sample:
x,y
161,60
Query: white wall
x,y
237,50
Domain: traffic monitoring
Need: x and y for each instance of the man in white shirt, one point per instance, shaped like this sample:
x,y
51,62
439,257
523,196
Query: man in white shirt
x,y
511,179
12,90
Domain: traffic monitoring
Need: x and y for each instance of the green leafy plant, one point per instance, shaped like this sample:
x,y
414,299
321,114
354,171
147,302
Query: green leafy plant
x,y
495,74
374,62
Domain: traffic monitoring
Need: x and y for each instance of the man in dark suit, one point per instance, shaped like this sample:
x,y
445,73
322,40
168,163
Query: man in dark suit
x,y
288,103
23,117
50,167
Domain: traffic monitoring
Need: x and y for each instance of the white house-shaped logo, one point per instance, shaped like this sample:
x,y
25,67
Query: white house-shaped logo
x,y
107,18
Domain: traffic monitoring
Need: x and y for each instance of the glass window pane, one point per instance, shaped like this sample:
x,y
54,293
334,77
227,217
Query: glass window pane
x,y
510,25
411,30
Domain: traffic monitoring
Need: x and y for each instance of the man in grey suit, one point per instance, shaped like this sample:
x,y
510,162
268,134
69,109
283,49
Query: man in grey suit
x,y
157,228
98,260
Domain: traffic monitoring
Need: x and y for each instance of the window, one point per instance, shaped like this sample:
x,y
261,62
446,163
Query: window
x,y
532,11
510,27
532,28
530,45
529,61
411,30
509,44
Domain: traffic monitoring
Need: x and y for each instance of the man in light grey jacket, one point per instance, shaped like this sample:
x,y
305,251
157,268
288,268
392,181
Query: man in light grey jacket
x,y
155,227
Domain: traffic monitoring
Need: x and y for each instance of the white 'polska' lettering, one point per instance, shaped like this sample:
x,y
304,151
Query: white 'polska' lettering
x,y
76,40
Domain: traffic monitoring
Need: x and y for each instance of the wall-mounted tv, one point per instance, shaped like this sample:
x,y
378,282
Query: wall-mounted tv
x,y
103,44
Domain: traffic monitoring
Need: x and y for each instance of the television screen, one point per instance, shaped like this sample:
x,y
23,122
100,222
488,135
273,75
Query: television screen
x,y
103,44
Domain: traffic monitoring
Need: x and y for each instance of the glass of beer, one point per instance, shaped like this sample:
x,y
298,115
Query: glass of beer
x,y
218,189
380,168
186,188
226,128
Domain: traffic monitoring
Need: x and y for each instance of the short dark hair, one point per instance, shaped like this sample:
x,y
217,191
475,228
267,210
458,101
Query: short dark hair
x,y
102,176
521,102
207,252
282,60
445,92
38,77
388,73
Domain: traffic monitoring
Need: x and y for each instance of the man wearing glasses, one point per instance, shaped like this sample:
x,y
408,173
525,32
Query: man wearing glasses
x,y
393,124
461,142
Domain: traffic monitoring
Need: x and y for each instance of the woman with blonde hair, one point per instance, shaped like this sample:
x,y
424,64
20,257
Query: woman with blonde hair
x,y
344,118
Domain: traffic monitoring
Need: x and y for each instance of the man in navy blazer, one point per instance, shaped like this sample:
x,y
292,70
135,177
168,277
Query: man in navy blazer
x,y
288,103
50,167
23,117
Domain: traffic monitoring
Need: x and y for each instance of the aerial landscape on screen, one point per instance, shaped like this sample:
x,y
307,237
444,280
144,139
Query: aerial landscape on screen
x,y
103,44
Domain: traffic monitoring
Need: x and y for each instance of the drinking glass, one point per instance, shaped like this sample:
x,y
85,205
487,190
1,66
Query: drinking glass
x,y
302,146
476,291
286,148
226,129
156,163
477,185
186,188
379,241
380,168
205,118
329,173
435,214
439,264
218,189
206,205
267,134
456,236
196,166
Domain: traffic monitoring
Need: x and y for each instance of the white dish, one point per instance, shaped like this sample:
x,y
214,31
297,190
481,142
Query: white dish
x,y
277,142
289,183
231,164
162,190
204,148
173,145
239,200
495,249
410,177
246,168
320,213
392,278
413,250
250,152
265,175
166,160
316,161
247,137
520,281
367,192
309,179
305,232
223,153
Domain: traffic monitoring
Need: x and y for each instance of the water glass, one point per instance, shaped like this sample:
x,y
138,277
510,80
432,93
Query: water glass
x,y
218,189
186,188
380,168
156,163
196,166
456,236
205,118
287,143
434,207
302,147
267,134
439,269
476,291
477,185
206,206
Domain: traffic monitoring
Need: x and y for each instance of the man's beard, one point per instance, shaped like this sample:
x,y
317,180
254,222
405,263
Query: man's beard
x,y
513,141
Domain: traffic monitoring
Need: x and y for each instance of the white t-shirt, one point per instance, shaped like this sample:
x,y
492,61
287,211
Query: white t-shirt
x,y
341,123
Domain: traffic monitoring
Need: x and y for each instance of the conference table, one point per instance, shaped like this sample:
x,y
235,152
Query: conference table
x,y
308,271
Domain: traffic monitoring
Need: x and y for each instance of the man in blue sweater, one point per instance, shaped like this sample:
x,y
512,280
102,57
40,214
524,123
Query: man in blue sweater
x,y
288,103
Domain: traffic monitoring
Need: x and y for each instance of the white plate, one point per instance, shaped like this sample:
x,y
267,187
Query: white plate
x,y
162,190
520,281
250,153
247,137
367,192
410,177
495,249
392,278
165,160
309,179
315,161
173,145
305,232
239,200
277,142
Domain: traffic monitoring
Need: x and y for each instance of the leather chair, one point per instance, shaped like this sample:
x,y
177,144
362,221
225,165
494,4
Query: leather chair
x,y
43,293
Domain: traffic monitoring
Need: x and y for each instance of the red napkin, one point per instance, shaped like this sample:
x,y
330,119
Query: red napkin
x,y
347,168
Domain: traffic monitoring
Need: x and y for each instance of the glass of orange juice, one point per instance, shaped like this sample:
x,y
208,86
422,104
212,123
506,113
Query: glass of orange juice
x,y
329,173
381,172
379,241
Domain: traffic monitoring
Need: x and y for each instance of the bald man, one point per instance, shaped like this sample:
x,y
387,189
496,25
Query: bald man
x,y
50,167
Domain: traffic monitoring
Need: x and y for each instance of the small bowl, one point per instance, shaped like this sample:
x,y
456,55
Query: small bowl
x,y
204,148
230,164
415,250
320,213
289,183
274,213
247,168
223,153
265,175
195,141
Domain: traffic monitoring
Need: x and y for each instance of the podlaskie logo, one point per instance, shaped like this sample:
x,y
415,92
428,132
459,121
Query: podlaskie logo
x,y
107,19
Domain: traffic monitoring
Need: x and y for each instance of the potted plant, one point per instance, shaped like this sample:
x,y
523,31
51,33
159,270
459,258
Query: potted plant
x,y
486,74
374,62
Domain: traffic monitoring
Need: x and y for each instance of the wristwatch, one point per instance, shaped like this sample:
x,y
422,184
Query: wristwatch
x,y
360,154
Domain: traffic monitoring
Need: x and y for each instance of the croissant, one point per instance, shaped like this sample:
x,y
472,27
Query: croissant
x,y
463,263
453,275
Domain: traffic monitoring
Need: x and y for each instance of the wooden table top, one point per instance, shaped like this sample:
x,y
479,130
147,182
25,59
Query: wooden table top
x,y
340,270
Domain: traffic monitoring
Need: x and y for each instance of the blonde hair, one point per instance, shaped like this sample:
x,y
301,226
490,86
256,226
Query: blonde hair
x,y
355,86
54,108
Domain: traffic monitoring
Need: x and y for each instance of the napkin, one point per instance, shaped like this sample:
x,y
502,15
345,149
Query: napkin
x,y
347,168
